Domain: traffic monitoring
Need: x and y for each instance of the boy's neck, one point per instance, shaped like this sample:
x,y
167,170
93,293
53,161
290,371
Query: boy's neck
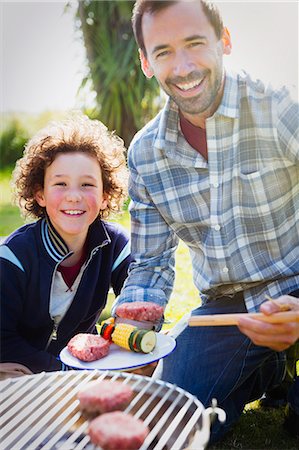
x,y
72,243
78,248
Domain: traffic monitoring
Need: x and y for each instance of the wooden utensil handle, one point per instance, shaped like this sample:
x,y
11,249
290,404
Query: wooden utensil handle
x,y
233,319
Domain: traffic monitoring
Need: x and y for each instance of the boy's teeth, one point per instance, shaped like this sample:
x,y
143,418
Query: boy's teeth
x,y
187,86
73,212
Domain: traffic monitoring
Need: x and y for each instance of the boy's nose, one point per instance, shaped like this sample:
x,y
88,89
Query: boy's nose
x,y
73,195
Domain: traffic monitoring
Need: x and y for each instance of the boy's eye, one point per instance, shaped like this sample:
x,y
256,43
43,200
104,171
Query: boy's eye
x,y
60,183
88,185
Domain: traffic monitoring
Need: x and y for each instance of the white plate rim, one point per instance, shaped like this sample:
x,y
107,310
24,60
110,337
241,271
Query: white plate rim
x,y
165,345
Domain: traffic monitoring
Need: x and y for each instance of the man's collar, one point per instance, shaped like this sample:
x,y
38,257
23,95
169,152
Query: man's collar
x,y
229,105
168,127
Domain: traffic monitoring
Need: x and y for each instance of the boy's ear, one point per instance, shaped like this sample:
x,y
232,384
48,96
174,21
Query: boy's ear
x,y
226,41
145,66
39,197
104,203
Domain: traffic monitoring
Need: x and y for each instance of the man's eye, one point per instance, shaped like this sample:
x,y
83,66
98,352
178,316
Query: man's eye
x,y
162,54
196,44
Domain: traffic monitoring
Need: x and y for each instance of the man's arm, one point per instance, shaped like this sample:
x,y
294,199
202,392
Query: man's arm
x,y
153,245
287,124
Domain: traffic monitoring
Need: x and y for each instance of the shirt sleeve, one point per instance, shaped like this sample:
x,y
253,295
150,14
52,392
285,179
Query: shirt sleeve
x,y
153,244
14,347
287,124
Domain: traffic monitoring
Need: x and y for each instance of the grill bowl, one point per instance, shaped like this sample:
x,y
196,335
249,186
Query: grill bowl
x,y
42,411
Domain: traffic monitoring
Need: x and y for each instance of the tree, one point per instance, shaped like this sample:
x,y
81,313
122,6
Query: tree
x,y
124,96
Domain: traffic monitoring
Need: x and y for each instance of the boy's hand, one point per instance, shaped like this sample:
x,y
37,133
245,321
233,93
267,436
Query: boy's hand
x,y
277,336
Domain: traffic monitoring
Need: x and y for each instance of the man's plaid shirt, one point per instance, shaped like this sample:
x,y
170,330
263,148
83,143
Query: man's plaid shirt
x,y
238,213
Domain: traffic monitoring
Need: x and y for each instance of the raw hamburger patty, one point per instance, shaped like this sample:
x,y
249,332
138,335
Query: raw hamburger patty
x,y
117,430
104,396
140,311
88,347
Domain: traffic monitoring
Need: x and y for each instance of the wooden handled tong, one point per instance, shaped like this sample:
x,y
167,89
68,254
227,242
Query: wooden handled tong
x,y
233,319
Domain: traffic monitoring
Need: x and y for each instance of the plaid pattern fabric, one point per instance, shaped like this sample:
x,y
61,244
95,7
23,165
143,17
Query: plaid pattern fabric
x,y
238,213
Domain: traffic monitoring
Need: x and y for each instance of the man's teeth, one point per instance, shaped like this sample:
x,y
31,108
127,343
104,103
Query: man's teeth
x,y
73,212
187,86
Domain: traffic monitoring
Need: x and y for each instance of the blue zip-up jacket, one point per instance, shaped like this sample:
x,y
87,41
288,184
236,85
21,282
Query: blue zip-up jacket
x,y
29,259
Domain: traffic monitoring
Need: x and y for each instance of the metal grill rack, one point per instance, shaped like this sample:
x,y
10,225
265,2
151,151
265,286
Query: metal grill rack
x,y
42,411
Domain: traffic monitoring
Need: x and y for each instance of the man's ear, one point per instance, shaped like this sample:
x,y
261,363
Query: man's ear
x,y
145,66
226,42
40,198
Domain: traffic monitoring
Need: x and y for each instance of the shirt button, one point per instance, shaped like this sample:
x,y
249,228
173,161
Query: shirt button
x,y
217,227
225,270
215,185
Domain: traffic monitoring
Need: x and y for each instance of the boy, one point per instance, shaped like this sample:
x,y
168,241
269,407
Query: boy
x,y
57,271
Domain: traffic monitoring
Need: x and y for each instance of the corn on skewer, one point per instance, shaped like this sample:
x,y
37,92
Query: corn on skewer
x,y
128,336
122,333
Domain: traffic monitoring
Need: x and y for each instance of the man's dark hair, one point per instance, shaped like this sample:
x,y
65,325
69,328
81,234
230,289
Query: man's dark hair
x,y
153,6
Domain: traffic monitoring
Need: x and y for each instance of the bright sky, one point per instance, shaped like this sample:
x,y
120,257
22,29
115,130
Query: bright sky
x,y
43,57
44,60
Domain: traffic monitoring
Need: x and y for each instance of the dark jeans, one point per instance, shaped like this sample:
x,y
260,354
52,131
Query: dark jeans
x,y
220,362
291,381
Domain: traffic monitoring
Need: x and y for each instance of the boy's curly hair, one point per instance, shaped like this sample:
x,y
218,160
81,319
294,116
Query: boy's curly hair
x,y
75,134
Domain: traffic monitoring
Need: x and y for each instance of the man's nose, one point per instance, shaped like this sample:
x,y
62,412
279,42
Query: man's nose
x,y
183,64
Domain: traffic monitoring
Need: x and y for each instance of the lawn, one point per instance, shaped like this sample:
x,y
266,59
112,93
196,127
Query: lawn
x,y
9,215
257,429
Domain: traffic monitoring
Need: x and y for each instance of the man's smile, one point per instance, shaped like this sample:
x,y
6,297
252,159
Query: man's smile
x,y
189,85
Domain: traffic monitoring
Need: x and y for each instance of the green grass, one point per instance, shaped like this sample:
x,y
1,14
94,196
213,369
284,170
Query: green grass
x,y
10,217
257,429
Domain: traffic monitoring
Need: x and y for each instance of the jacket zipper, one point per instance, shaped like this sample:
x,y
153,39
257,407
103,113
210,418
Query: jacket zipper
x,y
53,335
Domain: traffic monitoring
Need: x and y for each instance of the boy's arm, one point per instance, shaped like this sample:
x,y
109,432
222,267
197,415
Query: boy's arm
x,y
14,348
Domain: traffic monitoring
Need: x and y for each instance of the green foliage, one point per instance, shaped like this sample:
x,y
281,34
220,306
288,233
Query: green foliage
x,y
17,128
10,215
125,98
13,137
10,219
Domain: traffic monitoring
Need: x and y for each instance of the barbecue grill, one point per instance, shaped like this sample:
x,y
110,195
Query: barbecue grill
x,y
42,412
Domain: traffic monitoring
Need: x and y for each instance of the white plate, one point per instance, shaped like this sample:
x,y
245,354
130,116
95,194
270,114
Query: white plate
x,y
120,359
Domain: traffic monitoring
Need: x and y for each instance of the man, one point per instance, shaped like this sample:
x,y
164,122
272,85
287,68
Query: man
x,y
218,168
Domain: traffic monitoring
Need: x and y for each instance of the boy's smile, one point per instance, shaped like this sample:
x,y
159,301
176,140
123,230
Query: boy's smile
x,y
73,195
74,213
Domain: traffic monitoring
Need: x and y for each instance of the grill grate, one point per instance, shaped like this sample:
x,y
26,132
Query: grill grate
x,y
42,411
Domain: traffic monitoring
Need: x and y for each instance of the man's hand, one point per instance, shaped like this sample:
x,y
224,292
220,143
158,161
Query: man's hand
x,y
277,336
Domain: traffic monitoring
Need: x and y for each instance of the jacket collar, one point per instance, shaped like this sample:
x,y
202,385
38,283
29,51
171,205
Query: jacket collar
x,y
58,250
